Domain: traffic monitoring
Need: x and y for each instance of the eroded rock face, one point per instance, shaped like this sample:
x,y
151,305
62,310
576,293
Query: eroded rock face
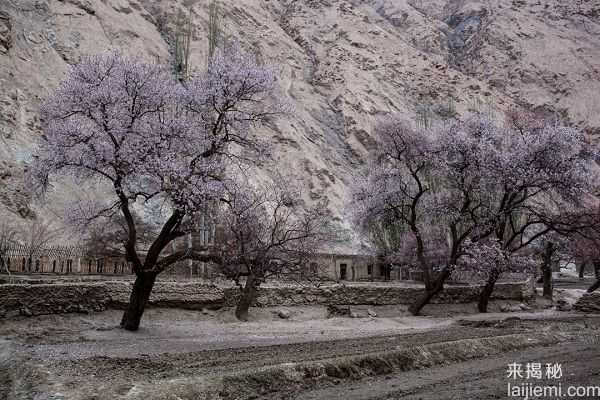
x,y
466,35
5,33
343,64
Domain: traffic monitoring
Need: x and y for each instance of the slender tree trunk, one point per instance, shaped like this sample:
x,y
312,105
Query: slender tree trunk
x,y
431,290
547,270
246,299
596,285
142,287
486,292
582,270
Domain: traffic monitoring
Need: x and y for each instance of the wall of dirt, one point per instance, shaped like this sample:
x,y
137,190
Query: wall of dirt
x,y
38,299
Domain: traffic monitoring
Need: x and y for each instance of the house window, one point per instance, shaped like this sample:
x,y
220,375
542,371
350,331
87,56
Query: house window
x,y
370,269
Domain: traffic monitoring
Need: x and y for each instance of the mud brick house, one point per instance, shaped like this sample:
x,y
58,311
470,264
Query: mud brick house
x,y
62,260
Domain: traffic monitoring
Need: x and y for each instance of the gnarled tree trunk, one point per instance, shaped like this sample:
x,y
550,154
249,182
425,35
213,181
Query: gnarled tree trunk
x,y
431,290
246,299
142,287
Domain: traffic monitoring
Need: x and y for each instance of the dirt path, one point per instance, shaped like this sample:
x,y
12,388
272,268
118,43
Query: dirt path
x,y
475,379
86,357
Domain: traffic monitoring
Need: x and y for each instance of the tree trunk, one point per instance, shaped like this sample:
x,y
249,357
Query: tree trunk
x,y
486,292
430,292
596,285
142,287
246,299
582,270
547,270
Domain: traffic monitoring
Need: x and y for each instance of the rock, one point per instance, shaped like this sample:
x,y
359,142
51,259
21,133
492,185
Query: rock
x,y
354,314
26,312
337,311
510,308
563,305
524,307
284,314
371,313
208,312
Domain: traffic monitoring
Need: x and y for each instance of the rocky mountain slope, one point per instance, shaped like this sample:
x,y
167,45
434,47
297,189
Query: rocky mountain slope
x,y
343,63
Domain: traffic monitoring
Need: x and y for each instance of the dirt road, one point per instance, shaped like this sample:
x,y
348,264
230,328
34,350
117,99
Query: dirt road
x,y
475,379
85,357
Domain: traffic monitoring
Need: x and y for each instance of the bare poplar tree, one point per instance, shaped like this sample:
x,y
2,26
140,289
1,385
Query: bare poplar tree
x,y
37,236
8,237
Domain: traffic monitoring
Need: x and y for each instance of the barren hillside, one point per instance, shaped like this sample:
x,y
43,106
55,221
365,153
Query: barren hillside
x,y
342,62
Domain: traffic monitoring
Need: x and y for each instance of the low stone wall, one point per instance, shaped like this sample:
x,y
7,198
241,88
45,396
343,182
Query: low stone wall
x,y
38,299
588,303
377,295
193,296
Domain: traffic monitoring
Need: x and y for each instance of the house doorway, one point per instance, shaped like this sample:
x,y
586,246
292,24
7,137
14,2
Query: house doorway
x,y
343,272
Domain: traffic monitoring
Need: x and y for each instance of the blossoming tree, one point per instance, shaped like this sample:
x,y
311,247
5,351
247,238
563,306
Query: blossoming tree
x,y
158,144
476,182
268,232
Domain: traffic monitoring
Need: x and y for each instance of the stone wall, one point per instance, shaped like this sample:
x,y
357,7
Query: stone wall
x,y
193,296
38,299
588,303
374,294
